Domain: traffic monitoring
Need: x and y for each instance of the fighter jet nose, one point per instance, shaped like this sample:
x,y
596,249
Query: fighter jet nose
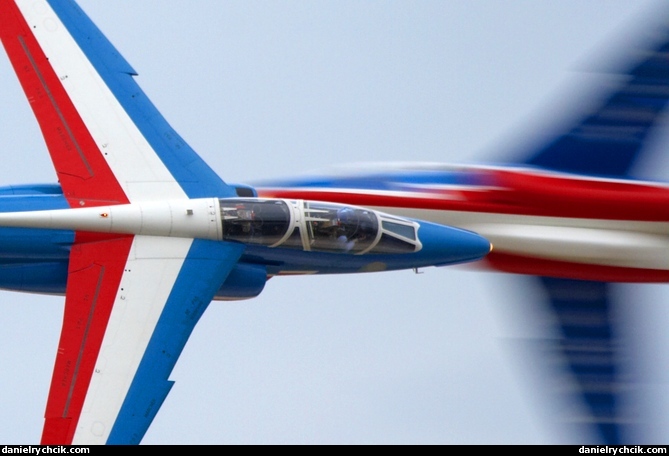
x,y
448,245
475,246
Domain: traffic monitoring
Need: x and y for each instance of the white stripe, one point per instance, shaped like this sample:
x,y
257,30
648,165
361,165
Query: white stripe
x,y
620,243
137,308
141,173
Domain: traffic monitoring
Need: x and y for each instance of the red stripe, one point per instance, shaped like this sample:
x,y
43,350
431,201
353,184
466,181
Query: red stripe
x,y
561,196
82,170
96,261
94,276
518,264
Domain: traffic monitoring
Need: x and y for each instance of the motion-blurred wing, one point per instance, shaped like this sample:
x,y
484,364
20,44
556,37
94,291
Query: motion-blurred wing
x,y
131,302
605,143
592,354
608,141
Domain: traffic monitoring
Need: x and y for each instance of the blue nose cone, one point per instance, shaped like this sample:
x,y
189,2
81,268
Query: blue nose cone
x,y
444,245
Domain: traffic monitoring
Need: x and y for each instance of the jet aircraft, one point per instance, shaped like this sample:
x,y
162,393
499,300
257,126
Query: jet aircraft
x,y
426,363
567,209
140,235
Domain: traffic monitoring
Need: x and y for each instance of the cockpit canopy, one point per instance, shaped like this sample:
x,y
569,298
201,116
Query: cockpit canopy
x,y
316,226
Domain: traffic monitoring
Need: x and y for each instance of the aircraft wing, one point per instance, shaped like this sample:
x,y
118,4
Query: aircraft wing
x,y
107,141
131,305
131,301
611,137
608,141
590,348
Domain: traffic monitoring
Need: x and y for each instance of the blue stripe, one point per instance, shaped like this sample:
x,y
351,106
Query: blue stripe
x,y
388,181
195,177
204,271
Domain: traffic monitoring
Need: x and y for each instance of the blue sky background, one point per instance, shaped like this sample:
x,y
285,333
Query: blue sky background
x,y
273,89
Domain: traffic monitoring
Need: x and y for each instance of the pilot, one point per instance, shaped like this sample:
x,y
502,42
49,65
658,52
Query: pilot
x,y
345,243
347,222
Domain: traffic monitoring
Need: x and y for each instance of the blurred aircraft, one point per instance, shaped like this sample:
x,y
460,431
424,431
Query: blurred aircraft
x,y
140,234
567,211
